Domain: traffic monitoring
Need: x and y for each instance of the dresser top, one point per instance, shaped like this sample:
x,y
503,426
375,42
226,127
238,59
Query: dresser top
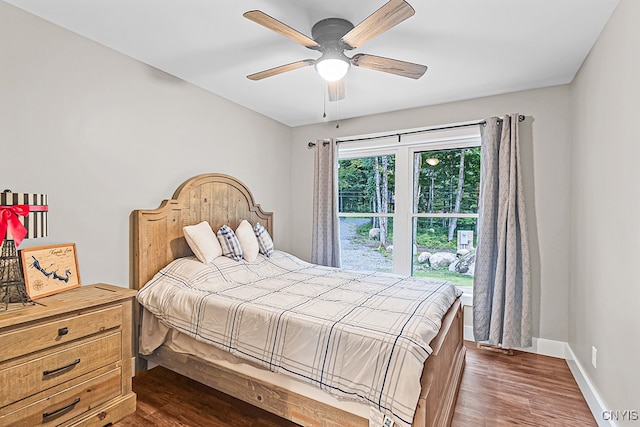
x,y
64,302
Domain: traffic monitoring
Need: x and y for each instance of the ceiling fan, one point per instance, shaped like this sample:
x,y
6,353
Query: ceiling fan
x,y
332,36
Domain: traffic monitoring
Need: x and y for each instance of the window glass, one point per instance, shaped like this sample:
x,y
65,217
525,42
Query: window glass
x,y
447,181
366,184
437,256
446,186
360,247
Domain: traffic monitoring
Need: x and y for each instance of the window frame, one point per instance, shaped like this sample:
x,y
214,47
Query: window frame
x,y
404,148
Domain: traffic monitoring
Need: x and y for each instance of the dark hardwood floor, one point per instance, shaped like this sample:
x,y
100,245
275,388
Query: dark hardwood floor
x,y
496,390
524,389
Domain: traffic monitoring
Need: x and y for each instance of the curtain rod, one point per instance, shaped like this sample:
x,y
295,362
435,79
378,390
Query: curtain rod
x,y
521,118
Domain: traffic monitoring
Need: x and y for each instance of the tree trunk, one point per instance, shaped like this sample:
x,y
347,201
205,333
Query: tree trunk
x,y
376,170
384,199
450,208
417,166
456,209
431,197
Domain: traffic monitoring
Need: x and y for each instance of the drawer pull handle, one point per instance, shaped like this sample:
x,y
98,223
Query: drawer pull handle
x,y
53,371
60,411
63,331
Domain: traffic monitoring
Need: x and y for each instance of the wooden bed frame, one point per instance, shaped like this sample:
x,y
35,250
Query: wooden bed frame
x,y
157,239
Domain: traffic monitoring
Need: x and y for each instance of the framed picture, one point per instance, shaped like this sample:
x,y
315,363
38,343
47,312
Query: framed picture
x,y
50,269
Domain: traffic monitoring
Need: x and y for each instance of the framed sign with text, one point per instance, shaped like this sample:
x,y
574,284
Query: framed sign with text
x,y
50,269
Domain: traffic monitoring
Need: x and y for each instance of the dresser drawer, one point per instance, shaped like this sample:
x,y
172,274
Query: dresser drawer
x,y
71,361
59,331
67,404
109,413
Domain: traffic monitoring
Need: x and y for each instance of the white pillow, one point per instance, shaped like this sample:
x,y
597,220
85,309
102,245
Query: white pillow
x,y
202,241
248,241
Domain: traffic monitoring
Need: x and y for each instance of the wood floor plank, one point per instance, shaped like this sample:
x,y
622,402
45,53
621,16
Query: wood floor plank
x,y
497,390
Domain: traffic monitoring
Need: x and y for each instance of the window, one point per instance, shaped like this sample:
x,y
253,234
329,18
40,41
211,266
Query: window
x,y
411,207
366,205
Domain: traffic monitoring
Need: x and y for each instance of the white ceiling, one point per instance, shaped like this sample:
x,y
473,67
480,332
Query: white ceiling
x,y
473,48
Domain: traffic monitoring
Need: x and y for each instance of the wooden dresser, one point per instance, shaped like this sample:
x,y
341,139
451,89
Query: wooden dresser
x,y
67,359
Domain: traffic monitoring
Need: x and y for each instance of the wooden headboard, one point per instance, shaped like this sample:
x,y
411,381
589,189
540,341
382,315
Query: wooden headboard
x,y
157,237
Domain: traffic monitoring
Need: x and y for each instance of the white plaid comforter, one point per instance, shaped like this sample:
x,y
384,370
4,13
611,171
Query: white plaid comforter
x,y
357,335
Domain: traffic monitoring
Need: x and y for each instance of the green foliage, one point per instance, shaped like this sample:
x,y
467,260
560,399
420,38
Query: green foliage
x,y
438,184
353,177
432,240
363,230
357,186
432,233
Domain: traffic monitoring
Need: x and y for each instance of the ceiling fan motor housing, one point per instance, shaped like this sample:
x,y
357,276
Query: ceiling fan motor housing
x,y
328,33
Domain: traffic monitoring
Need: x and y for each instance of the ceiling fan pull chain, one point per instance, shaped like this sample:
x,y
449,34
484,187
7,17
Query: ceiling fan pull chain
x,y
324,102
337,119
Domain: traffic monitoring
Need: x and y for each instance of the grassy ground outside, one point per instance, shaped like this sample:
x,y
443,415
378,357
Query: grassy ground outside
x,y
444,274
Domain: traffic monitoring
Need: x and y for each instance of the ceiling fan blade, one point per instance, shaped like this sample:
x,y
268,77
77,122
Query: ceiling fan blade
x,y
281,69
336,90
388,16
388,65
284,30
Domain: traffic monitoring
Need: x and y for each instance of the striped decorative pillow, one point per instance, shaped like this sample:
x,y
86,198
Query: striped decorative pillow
x,y
265,243
229,242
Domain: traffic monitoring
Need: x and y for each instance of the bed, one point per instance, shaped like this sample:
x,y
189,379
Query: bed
x,y
158,240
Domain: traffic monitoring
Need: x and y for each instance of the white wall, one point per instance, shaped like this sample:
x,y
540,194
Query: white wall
x,y
545,139
605,212
103,134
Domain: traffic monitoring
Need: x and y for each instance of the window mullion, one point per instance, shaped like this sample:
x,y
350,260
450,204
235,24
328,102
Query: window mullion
x,y
444,215
402,245
366,214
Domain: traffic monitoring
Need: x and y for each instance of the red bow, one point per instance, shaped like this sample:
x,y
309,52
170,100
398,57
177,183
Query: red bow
x,y
9,221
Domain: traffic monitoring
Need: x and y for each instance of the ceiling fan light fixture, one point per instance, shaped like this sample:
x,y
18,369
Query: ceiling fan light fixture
x,y
332,67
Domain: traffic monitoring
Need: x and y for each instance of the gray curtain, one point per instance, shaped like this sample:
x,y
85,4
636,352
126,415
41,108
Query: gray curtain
x,y
325,243
502,284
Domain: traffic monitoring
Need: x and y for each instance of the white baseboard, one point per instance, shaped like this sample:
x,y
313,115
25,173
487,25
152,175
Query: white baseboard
x,y
562,350
589,392
547,347
540,345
